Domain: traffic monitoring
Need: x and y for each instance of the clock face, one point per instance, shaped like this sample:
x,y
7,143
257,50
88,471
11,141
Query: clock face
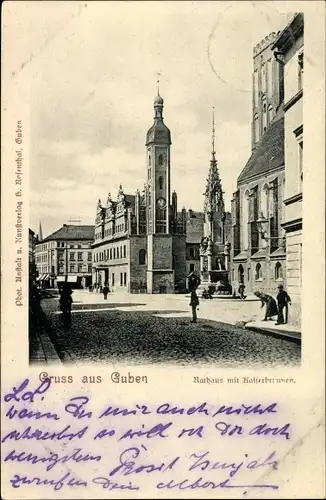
x,y
161,203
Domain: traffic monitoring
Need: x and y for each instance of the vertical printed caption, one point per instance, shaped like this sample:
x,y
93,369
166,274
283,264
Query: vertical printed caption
x,y
18,254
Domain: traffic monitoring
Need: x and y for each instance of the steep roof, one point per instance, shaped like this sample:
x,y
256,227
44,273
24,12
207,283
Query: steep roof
x,y
71,232
130,198
269,153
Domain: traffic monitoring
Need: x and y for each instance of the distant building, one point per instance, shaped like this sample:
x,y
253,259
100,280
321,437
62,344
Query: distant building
x,y
194,234
140,240
215,242
65,254
289,47
32,239
258,239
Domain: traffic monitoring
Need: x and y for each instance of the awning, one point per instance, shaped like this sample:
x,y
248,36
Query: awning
x,y
72,279
46,277
39,278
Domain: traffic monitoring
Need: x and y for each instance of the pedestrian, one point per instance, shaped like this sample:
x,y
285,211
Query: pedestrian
x,y
271,306
94,287
283,301
66,301
194,303
105,291
241,290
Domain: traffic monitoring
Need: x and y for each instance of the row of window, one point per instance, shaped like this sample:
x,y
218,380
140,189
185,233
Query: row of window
x,y
80,256
80,269
160,160
263,80
110,231
60,244
111,254
278,272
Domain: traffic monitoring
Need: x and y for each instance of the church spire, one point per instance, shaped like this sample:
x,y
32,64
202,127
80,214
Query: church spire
x,y
213,194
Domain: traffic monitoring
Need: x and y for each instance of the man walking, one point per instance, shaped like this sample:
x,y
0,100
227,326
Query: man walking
x,y
283,301
194,303
241,290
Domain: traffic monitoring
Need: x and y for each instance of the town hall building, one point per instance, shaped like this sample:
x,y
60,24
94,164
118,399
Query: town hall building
x,y
140,240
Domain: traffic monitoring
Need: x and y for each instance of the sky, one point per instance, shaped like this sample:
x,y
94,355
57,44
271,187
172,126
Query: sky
x,y
93,78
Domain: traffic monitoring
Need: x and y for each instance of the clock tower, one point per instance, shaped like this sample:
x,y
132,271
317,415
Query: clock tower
x,y
160,262
158,142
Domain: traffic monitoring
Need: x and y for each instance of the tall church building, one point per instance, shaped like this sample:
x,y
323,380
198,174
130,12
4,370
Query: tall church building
x,y
140,240
258,244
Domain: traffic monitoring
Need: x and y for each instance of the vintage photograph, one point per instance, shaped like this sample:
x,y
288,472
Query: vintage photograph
x,y
165,186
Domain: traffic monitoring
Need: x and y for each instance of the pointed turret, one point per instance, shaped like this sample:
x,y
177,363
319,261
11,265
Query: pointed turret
x,y
159,132
214,203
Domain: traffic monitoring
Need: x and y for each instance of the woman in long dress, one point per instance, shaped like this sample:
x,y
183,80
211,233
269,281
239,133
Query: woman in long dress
x,y
271,306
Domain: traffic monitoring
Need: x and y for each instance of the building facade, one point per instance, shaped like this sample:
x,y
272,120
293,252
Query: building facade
x,y
289,47
32,270
258,239
140,240
194,233
65,254
215,242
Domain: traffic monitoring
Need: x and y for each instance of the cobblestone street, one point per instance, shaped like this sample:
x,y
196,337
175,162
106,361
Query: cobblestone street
x,y
138,330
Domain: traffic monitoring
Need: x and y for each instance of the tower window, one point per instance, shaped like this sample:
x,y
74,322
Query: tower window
x,y
270,114
160,182
256,125
142,257
149,160
160,160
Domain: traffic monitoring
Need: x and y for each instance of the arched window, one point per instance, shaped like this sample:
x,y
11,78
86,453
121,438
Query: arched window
x,y
269,78
264,113
263,78
256,126
270,114
264,201
160,160
259,272
278,271
142,257
160,182
245,220
255,88
240,274
149,160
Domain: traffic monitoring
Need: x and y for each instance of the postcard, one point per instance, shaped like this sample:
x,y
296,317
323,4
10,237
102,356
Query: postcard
x,y
163,265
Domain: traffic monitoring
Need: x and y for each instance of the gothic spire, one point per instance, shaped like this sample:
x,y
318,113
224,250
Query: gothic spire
x,y
213,194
